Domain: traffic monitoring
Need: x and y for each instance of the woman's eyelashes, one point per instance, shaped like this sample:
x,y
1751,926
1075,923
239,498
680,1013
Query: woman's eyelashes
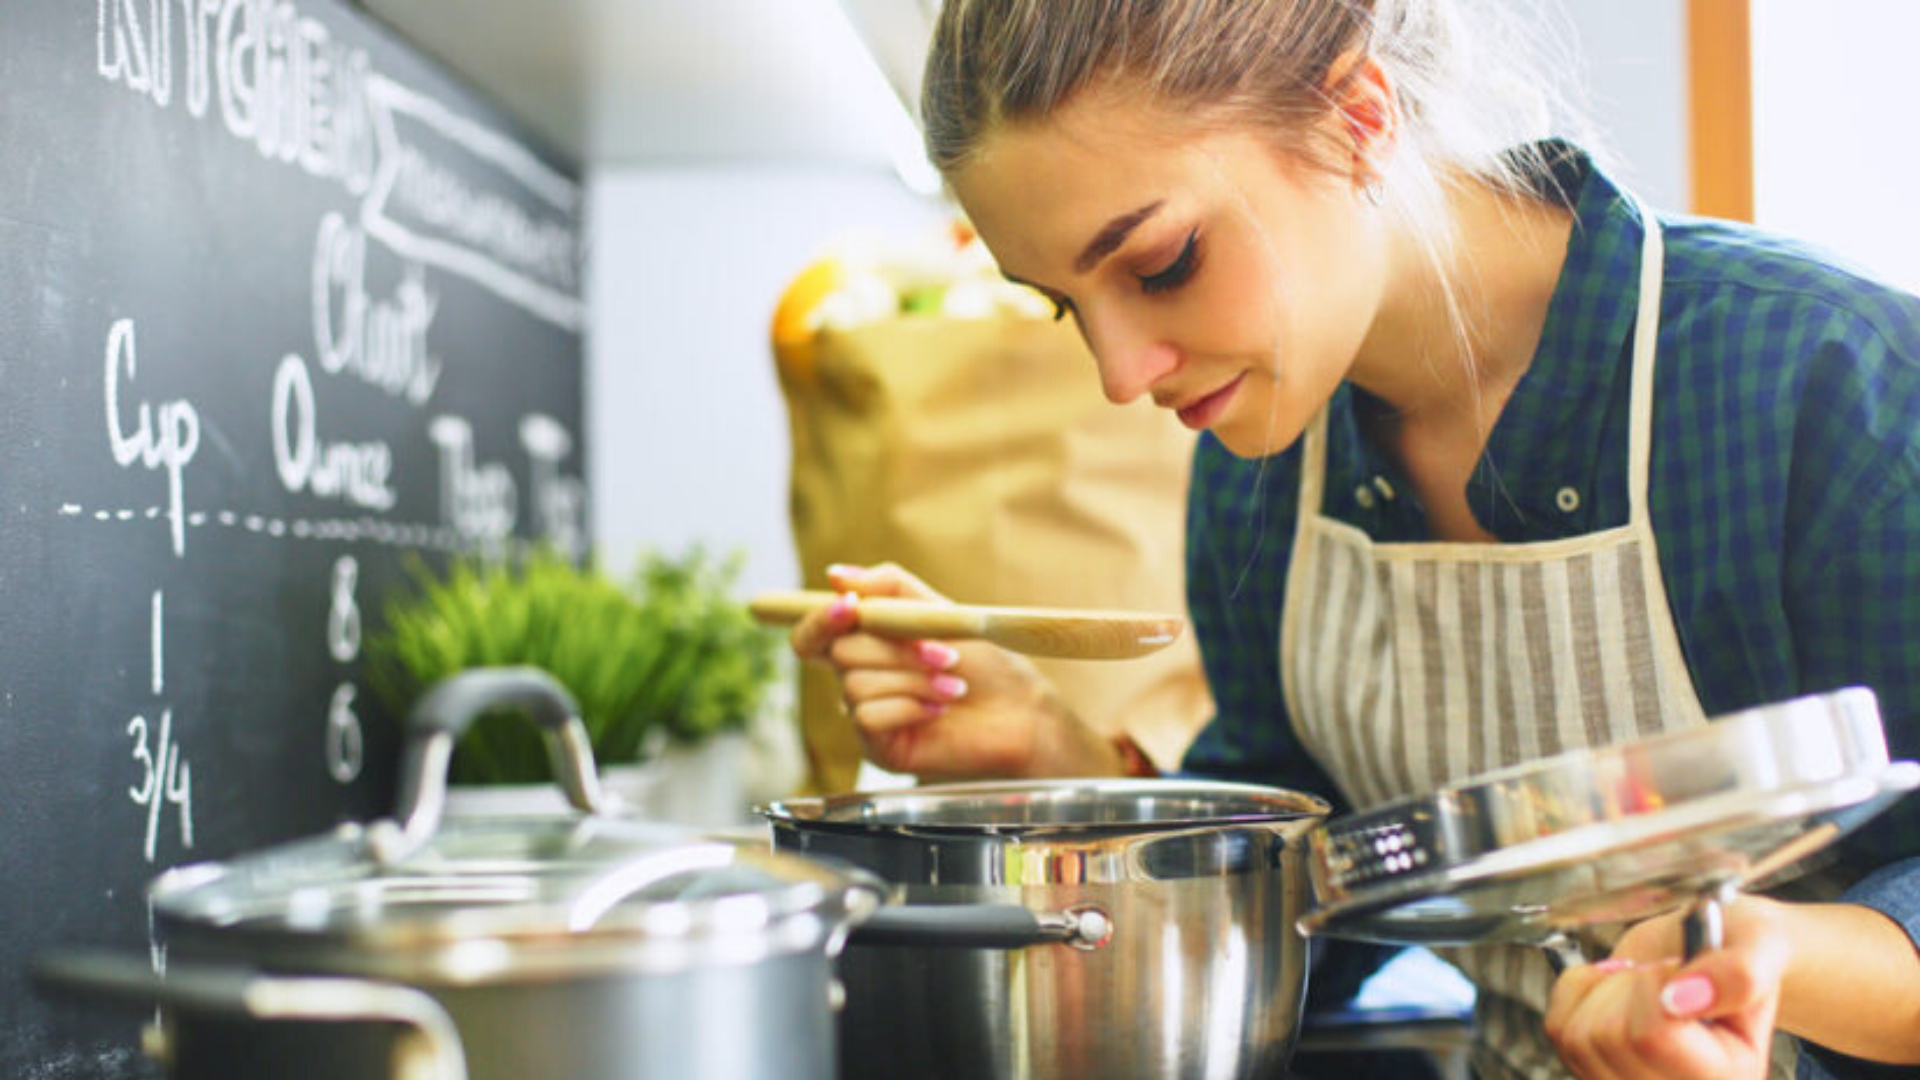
x,y
1170,277
1176,272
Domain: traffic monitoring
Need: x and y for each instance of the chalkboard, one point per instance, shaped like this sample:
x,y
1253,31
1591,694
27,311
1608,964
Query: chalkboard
x,y
281,304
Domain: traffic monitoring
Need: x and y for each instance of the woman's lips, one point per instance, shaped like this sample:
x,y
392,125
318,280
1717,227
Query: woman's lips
x,y
1201,414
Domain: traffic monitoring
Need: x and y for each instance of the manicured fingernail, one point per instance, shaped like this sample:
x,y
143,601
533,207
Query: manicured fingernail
x,y
937,656
1687,997
841,610
846,570
934,708
948,686
1612,965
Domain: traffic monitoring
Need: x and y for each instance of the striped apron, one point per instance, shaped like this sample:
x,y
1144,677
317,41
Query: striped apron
x,y
1407,666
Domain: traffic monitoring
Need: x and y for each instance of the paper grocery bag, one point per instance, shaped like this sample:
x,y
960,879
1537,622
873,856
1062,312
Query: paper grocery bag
x,y
981,455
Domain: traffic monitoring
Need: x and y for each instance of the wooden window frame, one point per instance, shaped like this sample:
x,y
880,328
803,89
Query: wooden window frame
x,y
1720,93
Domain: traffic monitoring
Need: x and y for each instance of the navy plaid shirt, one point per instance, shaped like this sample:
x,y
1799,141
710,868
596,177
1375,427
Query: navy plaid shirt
x,y
1785,486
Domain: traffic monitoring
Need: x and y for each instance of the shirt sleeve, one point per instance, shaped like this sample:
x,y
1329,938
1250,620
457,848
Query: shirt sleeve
x,y
1240,520
1853,599
1853,569
1894,891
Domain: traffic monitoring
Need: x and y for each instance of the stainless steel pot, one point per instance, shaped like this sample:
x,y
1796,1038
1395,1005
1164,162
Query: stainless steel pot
x,y
1148,927
585,947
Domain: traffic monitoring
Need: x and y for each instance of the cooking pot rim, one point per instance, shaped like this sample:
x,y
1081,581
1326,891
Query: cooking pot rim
x,y
895,812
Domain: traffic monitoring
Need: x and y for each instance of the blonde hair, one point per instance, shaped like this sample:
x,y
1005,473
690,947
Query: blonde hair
x,y
1473,84
1475,88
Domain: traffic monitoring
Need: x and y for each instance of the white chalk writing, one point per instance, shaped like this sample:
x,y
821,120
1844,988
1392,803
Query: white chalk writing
x,y
559,501
354,472
477,500
165,778
383,343
346,749
162,440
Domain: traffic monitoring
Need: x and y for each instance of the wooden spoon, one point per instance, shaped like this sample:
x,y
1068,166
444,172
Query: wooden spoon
x,y
1070,634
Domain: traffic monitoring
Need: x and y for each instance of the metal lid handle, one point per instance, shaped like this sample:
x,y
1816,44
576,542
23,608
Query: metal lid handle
x,y
445,713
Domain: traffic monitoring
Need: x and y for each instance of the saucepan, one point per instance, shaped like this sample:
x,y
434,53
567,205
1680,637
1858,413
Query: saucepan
x,y
1172,906
1538,853
583,946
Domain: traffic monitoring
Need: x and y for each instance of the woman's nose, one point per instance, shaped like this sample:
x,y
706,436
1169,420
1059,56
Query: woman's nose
x,y
1130,361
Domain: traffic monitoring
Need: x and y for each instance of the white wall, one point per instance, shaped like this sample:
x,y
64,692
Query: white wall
x,y
687,432
1834,141
1634,55
688,436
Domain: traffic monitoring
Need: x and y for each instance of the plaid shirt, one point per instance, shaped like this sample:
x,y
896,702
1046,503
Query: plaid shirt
x,y
1785,485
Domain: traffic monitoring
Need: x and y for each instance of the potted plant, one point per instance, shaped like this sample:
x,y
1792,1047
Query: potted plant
x,y
668,659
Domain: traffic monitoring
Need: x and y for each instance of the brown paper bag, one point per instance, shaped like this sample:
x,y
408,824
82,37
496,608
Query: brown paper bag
x,y
981,455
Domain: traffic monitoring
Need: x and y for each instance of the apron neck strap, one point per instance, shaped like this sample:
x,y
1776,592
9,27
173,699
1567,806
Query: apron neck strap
x,y
1646,333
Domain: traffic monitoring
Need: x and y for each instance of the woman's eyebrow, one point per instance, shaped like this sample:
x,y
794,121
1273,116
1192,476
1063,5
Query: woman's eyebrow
x,y
1113,235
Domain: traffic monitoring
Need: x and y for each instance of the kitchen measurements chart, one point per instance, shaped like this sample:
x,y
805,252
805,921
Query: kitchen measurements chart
x,y
283,306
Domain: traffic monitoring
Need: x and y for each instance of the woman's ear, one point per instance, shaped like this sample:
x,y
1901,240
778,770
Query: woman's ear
x,y
1366,110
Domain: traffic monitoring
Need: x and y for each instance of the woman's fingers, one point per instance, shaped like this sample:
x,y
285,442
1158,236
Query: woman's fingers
x,y
852,651
816,633
877,684
1622,1019
883,579
879,717
1607,1024
1572,1020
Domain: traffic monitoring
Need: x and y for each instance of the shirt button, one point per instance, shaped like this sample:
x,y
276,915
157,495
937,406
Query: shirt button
x,y
1385,489
1567,499
1364,496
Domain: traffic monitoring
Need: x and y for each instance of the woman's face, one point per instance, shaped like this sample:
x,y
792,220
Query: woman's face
x,y
1231,282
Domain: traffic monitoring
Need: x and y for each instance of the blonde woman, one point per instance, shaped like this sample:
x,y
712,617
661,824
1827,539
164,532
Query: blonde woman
x,y
1496,462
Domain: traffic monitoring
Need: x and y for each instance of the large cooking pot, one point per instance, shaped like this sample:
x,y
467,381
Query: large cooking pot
x,y
1178,955
525,948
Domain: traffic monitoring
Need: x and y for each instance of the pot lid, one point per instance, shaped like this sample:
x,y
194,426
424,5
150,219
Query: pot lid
x,y
479,898
493,896
1532,852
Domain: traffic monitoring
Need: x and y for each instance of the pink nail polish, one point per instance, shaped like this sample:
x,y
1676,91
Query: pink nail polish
x,y
1687,997
846,570
841,610
934,708
949,686
1612,965
937,656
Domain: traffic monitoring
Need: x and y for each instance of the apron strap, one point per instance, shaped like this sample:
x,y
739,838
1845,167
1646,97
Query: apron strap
x,y
1646,333
1313,464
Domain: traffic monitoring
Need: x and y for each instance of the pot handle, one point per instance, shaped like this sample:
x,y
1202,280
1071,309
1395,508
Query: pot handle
x,y
438,720
433,1049
983,926
1701,930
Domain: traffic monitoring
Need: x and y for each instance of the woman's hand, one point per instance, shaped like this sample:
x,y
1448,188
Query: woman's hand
x,y
944,709
1642,1013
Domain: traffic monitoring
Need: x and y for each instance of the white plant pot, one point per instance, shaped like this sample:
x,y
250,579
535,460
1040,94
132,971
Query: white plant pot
x,y
636,787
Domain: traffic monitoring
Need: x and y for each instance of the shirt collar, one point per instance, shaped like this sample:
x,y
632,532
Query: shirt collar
x,y
1548,438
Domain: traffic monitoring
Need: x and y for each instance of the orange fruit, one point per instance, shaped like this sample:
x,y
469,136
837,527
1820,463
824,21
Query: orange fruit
x,y
796,317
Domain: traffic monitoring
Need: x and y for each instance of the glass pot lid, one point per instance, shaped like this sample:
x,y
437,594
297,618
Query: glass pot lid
x,y
480,897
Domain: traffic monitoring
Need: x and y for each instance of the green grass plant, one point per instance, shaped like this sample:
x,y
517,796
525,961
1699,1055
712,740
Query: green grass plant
x,y
670,653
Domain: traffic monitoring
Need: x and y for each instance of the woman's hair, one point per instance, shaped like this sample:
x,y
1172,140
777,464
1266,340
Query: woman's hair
x,y
1475,88
1472,82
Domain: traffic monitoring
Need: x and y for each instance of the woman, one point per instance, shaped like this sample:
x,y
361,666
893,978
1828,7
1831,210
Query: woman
x,y
1495,463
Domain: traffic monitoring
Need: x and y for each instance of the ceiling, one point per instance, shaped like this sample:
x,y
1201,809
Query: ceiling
x,y
620,82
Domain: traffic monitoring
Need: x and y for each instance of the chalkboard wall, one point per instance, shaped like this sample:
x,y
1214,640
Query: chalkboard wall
x,y
280,304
